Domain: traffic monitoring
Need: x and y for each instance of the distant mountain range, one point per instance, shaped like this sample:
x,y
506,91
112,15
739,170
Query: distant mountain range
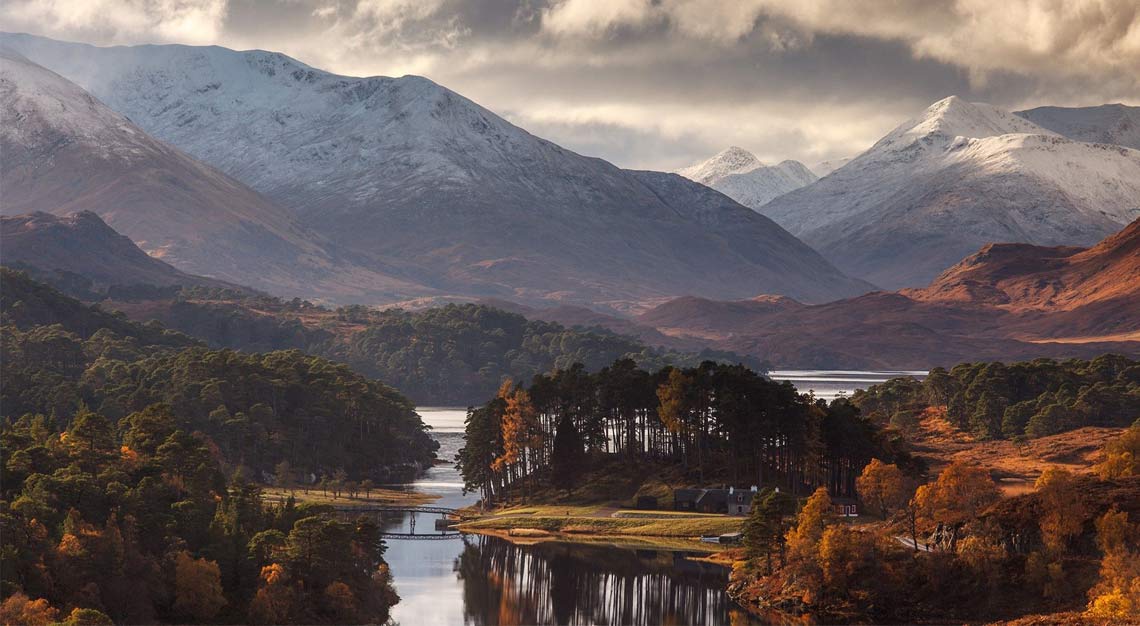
x,y
413,183
1008,301
738,174
962,175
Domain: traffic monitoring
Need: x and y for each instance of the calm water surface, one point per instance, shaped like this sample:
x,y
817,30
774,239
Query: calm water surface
x,y
488,581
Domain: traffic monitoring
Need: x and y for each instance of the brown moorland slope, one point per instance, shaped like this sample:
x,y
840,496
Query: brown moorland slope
x,y
1006,302
84,245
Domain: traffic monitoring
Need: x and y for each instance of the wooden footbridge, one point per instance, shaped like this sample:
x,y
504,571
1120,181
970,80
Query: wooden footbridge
x,y
443,527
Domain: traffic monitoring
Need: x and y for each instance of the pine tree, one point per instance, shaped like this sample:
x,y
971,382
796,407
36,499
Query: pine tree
x,y
567,458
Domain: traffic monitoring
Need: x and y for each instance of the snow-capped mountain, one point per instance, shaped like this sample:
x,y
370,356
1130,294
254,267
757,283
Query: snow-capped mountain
x,y
738,174
823,168
408,173
64,151
1109,123
949,181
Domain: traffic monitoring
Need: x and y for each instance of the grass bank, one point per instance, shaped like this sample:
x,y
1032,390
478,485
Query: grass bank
x,y
689,527
376,497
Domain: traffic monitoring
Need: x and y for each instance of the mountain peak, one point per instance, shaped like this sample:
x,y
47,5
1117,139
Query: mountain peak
x,y
955,117
733,160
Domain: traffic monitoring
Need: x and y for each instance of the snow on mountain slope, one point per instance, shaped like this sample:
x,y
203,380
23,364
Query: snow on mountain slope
x,y
1109,123
733,160
404,171
951,180
738,174
64,151
823,168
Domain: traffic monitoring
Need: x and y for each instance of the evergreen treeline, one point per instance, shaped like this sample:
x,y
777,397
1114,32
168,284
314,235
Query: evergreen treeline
x,y
454,354
257,410
135,523
720,422
1025,399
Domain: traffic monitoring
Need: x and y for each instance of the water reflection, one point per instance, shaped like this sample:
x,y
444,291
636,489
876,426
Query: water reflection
x,y
561,583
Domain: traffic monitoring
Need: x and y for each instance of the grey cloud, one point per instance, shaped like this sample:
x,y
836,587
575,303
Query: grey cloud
x,y
663,83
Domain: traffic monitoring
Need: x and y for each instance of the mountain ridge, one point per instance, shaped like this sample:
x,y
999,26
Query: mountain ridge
x,y
738,174
407,174
954,178
69,152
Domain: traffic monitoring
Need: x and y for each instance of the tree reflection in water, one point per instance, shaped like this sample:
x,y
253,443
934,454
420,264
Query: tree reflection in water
x,y
561,583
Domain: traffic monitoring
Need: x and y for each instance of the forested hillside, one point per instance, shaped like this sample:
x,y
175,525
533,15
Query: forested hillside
x,y
1025,399
454,354
256,410
129,456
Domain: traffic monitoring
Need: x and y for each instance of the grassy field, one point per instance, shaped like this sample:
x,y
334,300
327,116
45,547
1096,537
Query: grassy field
x,y
377,497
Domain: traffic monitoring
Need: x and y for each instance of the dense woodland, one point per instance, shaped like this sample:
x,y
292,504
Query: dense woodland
x,y
954,548
131,455
257,410
455,354
721,423
135,522
1026,399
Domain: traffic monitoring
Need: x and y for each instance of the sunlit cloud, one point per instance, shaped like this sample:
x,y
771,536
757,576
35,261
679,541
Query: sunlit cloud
x,y
659,83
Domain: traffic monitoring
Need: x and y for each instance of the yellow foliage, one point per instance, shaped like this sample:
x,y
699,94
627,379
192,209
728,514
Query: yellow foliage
x,y
520,426
959,494
1063,512
273,602
19,610
882,485
1114,605
128,456
803,539
274,574
1113,531
1121,456
198,587
69,545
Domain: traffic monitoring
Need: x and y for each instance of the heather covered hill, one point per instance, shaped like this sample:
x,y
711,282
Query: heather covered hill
x,y
1017,276
409,175
1007,301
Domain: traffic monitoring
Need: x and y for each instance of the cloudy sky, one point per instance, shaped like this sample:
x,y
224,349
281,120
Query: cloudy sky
x,y
663,83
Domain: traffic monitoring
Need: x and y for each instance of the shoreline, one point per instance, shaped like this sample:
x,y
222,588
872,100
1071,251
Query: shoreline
x,y
378,497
